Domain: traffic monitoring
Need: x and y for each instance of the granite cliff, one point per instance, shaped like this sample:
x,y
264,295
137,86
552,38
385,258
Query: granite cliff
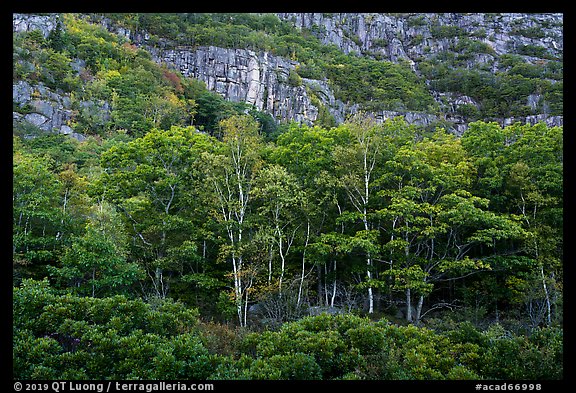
x,y
263,80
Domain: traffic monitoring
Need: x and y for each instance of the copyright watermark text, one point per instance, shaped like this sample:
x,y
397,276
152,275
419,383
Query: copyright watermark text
x,y
101,387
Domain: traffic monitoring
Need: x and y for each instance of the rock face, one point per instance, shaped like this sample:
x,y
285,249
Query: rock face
x,y
40,106
270,84
50,111
411,36
263,80
26,22
46,110
242,75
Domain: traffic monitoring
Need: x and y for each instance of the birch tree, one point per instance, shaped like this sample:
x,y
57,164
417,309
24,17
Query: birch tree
x,y
307,154
280,200
358,165
230,174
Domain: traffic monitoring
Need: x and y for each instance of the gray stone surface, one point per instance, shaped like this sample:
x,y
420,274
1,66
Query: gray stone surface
x,y
262,79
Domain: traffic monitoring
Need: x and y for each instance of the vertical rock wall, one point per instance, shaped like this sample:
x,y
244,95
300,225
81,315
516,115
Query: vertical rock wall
x,y
264,81
242,75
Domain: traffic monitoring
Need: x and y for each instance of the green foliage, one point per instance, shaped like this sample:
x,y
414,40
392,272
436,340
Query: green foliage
x,y
321,337
212,109
149,223
296,366
523,357
142,95
294,79
152,180
504,93
446,31
374,84
95,262
64,336
377,85
358,347
36,213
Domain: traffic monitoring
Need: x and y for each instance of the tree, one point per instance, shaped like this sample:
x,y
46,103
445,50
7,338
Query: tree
x,y
433,222
231,173
358,166
95,263
75,202
280,203
151,180
520,169
37,215
57,37
307,153
332,247
534,183
485,143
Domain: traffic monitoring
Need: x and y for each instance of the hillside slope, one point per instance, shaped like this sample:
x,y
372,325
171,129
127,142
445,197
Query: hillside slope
x,y
447,69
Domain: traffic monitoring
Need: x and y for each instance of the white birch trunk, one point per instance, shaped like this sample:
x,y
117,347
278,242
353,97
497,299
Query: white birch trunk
x,y
408,305
303,265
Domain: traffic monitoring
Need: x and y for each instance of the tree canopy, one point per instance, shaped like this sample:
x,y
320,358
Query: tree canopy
x,y
187,237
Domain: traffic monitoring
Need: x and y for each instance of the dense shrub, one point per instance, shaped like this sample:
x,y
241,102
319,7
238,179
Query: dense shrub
x,y
69,337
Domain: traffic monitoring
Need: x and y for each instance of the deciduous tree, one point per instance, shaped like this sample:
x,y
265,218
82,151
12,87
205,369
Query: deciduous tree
x,y
230,174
